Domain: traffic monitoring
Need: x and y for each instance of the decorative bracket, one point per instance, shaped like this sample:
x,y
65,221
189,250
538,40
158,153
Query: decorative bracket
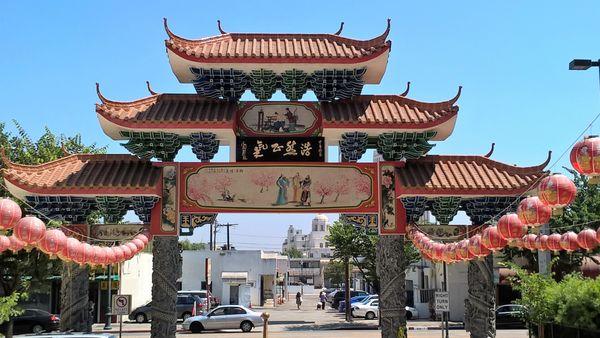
x,y
204,145
189,221
353,145
398,146
147,145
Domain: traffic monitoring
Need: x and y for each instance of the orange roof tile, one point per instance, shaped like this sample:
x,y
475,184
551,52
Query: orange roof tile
x,y
466,175
86,173
257,46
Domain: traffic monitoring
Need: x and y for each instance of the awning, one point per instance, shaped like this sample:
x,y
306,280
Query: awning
x,y
235,275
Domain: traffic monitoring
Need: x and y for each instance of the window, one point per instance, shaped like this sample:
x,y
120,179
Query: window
x,y
218,312
235,311
320,245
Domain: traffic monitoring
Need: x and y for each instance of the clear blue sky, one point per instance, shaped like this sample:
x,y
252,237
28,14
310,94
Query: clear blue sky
x,y
511,57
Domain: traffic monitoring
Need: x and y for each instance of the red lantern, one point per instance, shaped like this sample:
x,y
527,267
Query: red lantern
x,y
554,243
119,254
438,251
30,229
127,253
4,243
53,242
463,247
87,254
585,156
110,255
449,255
138,243
491,239
72,250
133,248
532,212
541,242
99,255
517,243
144,238
529,241
476,248
557,190
510,227
568,241
15,244
587,239
10,213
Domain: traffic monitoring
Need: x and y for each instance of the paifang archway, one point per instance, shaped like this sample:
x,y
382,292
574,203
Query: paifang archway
x,y
278,159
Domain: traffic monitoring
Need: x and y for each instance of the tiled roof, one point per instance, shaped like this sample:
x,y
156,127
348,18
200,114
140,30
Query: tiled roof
x,y
181,108
466,175
387,109
93,173
236,46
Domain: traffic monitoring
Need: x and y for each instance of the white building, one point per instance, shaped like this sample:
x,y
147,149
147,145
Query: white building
x,y
313,245
246,277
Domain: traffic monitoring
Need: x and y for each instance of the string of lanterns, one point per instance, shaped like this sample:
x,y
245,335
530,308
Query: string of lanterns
x,y
554,193
29,232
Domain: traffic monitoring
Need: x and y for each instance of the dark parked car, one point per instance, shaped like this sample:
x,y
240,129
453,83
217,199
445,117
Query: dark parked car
x,y
510,316
185,306
341,295
33,321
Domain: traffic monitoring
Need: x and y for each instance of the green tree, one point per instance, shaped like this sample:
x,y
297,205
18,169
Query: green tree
x,y
293,252
334,273
24,270
359,245
187,245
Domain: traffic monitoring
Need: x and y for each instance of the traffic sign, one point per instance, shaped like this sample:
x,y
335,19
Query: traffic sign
x,y
442,301
121,304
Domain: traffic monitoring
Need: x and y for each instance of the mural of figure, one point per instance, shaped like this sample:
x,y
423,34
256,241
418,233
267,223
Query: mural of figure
x,y
282,183
296,187
305,197
292,118
279,122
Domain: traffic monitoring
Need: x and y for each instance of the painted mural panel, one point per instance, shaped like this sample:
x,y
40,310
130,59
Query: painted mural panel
x,y
388,200
280,149
278,187
278,119
169,200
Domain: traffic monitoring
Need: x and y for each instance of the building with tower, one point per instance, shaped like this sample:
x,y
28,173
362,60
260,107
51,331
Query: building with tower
x,y
312,245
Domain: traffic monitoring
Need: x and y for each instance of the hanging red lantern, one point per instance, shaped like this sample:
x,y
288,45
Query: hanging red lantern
x,y
438,251
110,255
557,191
587,239
533,212
133,248
541,242
491,239
15,244
4,243
449,255
510,227
585,157
516,243
144,238
554,243
529,241
99,256
139,244
464,248
127,253
568,241
10,213
72,250
53,242
476,248
119,254
87,254
30,229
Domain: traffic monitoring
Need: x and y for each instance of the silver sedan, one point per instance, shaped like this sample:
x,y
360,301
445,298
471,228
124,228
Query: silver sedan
x,y
225,317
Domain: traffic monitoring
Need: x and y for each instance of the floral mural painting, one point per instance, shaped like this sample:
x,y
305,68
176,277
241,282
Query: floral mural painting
x,y
277,187
169,200
388,200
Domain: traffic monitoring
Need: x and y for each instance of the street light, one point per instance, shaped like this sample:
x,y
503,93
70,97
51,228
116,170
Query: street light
x,y
581,64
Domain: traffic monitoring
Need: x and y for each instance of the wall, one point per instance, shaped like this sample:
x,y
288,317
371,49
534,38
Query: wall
x,y
136,279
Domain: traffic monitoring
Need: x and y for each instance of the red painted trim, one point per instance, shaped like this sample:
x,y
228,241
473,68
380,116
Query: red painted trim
x,y
153,124
186,168
279,60
394,125
311,106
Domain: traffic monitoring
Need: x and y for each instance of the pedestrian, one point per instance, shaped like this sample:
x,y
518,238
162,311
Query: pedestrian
x,y
322,298
298,299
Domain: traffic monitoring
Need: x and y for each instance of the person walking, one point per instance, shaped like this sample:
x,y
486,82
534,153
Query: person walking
x,y
322,298
298,299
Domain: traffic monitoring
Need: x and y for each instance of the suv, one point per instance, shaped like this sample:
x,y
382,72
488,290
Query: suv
x,y
341,295
184,306
214,302
510,316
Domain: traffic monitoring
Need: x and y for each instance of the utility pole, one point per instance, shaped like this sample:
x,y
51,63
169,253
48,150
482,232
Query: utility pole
x,y
347,290
228,225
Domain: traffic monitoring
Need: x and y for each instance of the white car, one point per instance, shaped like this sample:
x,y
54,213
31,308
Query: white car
x,y
370,310
225,317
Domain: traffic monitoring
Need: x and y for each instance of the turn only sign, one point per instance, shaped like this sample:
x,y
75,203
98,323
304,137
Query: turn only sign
x,y
442,302
121,304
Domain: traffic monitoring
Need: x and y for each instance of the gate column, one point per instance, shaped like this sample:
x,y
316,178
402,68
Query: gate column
x,y
480,317
391,270
166,269
74,307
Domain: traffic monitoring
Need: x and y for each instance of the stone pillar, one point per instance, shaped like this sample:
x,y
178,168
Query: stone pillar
x,y
74,300
391,270
480,316
166,269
